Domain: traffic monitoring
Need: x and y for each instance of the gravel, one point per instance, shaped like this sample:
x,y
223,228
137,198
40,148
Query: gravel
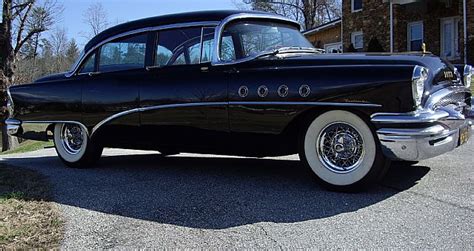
x,y
138,199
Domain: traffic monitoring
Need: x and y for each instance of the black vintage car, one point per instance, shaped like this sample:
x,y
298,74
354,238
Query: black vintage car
x,y
249,84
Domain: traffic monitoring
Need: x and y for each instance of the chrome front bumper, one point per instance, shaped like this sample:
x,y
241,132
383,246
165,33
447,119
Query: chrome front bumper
x,y
28,130
423,134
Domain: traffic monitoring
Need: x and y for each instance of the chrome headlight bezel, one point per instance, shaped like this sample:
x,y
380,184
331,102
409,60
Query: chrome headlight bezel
x,y
10,106
419,79
468,72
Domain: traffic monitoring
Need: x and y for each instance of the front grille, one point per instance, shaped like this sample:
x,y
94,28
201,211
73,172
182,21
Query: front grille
x,y
454,98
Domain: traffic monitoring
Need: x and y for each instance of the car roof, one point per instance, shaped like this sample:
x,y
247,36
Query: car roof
x,y
188,17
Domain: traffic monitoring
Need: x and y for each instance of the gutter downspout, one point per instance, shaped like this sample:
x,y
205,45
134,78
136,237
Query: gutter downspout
x,y
465,30
391,25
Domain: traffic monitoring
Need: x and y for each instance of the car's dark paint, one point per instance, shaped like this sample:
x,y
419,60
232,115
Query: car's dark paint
x,y
198,109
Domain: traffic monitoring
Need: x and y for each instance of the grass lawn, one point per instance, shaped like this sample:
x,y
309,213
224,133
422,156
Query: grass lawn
x,y
28,218
29,146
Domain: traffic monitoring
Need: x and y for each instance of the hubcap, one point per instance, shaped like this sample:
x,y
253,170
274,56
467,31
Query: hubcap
x,y
340,147
72,138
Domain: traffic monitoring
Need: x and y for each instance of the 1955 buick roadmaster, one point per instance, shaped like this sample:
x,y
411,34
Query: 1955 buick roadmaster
x,y
249,84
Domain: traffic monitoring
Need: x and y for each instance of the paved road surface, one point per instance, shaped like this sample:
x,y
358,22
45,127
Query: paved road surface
x,y
139,199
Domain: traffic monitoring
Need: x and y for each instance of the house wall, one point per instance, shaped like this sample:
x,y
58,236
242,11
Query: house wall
x,y
470,31
374,21
431,13
326,36
2,43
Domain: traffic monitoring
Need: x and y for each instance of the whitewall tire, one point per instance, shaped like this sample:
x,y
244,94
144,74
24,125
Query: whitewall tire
x,y
73,145
341,149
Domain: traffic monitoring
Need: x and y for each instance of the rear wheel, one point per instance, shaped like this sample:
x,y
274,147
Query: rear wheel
x,y
342,151
74,147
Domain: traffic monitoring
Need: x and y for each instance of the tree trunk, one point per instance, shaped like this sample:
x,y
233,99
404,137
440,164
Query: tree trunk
x,y
8,142
8,67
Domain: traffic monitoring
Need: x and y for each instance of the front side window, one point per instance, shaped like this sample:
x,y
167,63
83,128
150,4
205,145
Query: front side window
x,y
415,36
123,54
256,37
89,65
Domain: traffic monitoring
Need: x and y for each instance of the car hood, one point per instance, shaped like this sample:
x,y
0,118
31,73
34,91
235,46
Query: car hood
x,y
436,65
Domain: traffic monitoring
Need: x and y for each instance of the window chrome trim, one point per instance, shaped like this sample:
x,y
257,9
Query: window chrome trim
x,y
219,29
134,32
216,59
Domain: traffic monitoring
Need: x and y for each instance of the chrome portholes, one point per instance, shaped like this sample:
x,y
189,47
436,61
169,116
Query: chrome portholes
x,y
262,91
304,91
243,91
282,91
72,138
340,147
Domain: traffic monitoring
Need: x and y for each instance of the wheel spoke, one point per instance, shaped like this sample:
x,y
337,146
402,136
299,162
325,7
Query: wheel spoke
x,y
341,147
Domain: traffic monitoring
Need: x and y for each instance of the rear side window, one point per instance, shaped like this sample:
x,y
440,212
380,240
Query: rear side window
x,y
173,46
187,46
123,54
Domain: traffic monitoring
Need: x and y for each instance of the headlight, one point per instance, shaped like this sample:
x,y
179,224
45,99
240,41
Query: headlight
x,y
420,76
467,75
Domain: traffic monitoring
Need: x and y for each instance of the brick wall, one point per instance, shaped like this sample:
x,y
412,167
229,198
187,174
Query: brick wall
x,y
374,21
470,31
430,12
326,36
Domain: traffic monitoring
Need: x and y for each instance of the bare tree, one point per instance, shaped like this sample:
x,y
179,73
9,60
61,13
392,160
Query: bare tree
x,y
96,18
23,20
309,13
59,42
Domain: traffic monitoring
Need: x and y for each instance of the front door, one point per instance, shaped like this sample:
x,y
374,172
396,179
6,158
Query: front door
x,y
184,100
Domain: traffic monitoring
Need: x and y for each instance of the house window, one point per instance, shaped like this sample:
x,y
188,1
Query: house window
x,y
415,36
333,48
357,39
356,5
449,38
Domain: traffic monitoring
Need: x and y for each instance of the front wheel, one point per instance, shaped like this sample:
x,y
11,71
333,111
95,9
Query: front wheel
x,y
74,147
341,149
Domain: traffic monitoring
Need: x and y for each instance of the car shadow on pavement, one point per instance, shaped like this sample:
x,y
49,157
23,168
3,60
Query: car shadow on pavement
x,y
209,193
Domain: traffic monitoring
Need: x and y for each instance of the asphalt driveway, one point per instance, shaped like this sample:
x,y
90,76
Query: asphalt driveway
x,y
140,199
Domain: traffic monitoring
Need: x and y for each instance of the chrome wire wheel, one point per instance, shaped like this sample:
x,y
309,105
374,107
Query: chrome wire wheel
x,y
340,147
72,138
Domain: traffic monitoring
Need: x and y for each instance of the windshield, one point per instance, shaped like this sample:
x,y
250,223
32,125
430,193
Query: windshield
x,y
251,38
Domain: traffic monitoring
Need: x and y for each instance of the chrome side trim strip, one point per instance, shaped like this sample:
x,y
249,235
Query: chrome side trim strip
x,y
336,104
200,104
137,31
150,108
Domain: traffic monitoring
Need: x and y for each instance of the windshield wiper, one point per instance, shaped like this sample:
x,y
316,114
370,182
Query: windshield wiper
x,y
284,50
